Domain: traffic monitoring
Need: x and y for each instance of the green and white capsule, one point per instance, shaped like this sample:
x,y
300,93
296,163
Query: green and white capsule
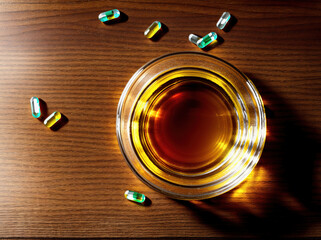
x,y
109,15
135,196
35,107
207,40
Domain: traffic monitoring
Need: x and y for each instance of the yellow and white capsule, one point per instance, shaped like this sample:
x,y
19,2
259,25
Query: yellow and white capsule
x,y
35,107
153,29
54,118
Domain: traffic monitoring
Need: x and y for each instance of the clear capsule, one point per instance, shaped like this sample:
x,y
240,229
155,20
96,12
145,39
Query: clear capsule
x,y
35,107
52,119
109,15
135,196
153,29
193,38
224,20
207,40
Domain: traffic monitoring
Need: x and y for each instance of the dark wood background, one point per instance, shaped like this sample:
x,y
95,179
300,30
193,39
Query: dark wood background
x,y
70,183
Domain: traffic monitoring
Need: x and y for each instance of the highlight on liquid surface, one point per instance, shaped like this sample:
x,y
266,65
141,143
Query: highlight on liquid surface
x,y
187,126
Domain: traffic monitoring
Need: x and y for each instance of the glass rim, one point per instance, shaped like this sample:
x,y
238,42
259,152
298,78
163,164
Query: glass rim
x,y
231,185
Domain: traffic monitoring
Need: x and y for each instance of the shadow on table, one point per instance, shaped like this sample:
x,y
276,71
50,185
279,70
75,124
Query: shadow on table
x,y
43,109
62,122
278,198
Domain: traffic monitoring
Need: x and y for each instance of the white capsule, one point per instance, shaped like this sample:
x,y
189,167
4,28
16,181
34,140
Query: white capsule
x,y
224,20
193,38
35,107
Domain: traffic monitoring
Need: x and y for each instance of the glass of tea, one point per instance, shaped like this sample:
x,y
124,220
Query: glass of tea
x,y
191,125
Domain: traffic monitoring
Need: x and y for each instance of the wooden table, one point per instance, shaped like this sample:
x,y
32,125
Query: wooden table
x,y
70,183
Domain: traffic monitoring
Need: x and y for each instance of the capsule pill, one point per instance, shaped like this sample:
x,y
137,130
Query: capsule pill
x,y
135,196
193,38
35,107
153,29
109,15
207,40
53,119
224,20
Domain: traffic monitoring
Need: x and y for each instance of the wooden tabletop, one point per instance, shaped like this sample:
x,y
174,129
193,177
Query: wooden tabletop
x,y
70,182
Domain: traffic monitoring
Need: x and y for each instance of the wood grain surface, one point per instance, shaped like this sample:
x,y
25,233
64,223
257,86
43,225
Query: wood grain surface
x,y
70,183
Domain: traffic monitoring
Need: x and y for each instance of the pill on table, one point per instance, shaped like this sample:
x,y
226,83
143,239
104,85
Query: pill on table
x,y
207,40
135,196
224,20
193,38
153,29
35,107
52,119
109,15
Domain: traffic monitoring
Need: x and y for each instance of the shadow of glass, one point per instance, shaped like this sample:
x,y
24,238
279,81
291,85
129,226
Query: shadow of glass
x,y
279,197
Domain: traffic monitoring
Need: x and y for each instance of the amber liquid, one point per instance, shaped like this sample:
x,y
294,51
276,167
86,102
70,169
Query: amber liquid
x,y
188,126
